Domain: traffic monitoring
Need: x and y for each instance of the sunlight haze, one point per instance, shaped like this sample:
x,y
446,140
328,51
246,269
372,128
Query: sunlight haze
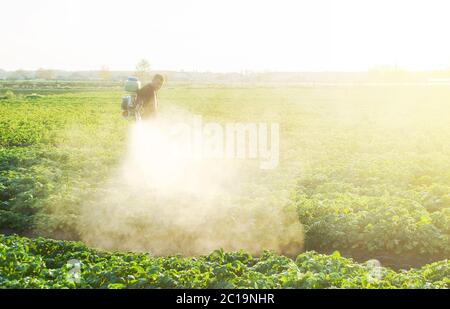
x,y
224,36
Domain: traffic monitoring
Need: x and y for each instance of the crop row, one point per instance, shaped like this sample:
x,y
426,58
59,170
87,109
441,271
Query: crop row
x,y
45,263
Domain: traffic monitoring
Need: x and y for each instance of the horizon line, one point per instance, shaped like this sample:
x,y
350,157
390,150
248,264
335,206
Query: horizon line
x,y
387,68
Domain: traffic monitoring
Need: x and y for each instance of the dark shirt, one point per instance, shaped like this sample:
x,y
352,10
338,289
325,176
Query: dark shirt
x,y
147,97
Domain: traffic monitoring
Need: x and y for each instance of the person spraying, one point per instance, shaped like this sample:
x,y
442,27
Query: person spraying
x,y
142,103
147,97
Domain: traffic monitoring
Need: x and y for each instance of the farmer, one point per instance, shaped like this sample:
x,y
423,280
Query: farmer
x,y
147,97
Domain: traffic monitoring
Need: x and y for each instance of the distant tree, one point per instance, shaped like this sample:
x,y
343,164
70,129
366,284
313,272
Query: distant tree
x,y
45,74
40,73
104,73
76,76
143,70
17,74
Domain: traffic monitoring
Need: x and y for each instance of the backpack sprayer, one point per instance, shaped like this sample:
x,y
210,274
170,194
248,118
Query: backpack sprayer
x,y
130,108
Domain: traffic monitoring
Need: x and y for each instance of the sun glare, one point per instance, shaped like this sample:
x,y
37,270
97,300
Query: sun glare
x,y
227,36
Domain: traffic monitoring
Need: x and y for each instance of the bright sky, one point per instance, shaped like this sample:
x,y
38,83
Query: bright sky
x,y
225,35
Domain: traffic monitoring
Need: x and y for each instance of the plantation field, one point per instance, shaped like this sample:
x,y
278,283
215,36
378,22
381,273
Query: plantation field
x,y
364,169
56,86
41,263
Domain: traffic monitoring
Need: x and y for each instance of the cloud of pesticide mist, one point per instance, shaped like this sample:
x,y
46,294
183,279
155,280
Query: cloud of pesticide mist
x,y
162,201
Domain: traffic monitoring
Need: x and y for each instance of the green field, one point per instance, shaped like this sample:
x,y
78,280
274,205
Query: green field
x,y
364,169
41,263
